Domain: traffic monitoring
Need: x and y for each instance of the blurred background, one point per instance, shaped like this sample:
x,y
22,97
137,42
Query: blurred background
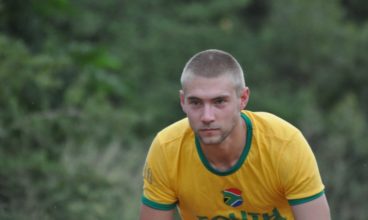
x,y
86,84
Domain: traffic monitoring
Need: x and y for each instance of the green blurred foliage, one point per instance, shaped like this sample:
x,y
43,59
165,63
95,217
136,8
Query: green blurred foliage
x,y
84,86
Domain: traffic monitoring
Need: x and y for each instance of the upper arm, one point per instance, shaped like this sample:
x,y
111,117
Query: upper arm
x,y
159,195
148,213
315,209
298,171
302,181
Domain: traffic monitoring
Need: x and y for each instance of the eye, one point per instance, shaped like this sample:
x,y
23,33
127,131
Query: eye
x,y
194,102
219,101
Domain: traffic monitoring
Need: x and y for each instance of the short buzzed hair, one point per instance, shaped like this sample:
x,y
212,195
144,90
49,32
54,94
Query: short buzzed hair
x,y
213,63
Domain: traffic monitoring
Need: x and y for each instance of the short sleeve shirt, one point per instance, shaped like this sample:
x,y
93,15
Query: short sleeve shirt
x,y
277,169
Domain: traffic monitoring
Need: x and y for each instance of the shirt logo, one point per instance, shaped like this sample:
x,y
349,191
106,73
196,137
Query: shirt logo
x,y
232,197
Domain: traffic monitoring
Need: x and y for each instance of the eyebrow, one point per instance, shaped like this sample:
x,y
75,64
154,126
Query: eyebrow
x,y
193,97
217,97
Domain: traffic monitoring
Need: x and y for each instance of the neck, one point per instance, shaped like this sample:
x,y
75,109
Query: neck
x,y
225,155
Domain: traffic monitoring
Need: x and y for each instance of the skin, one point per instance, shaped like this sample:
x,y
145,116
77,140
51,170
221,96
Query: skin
x,y
315,209
147,213
213,110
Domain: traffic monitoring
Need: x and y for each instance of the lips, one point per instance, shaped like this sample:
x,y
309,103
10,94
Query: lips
x,y
208,131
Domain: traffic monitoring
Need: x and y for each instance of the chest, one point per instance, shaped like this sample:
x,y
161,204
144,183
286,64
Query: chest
x,y
251,190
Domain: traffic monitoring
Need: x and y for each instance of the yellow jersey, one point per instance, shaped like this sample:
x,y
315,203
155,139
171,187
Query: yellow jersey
x,y
277,169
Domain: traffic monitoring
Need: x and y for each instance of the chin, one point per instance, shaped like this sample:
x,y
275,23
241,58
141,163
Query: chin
x,y
211,140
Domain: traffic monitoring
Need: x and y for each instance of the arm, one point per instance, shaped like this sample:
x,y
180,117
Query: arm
x,y
159,197
299,173
315,209
148,213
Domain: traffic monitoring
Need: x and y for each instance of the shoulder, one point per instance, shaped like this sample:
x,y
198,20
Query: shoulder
x,y
174,131
268,124
166,149
174,135
168,143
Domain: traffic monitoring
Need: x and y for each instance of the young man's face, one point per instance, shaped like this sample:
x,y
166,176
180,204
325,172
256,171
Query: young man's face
x,y
213,107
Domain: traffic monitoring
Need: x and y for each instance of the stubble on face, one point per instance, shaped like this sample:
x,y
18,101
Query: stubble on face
x,y
226,116
215,135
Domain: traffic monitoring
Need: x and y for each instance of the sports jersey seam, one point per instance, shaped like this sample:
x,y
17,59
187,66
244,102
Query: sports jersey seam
x,y
156,205
280,158
164,145
307,194
287,139
171,140
273,136
166,164
307,198
176,137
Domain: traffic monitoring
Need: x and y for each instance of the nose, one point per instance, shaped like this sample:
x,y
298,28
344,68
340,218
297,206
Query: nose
x,y
208,115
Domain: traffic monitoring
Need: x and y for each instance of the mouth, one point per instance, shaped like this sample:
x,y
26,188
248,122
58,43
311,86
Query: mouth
x,y
208,131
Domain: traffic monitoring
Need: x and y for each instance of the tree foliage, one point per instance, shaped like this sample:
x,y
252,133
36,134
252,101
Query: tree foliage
x,y
84,85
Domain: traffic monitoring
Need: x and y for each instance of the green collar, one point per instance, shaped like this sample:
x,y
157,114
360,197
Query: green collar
x,y
242,157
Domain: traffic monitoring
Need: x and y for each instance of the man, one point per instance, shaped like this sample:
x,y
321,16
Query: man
x,y
222,162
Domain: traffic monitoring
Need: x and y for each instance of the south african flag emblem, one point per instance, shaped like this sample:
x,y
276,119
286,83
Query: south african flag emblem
x,y
232,197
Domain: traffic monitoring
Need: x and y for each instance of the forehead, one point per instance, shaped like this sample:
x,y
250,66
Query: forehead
x,y
207,88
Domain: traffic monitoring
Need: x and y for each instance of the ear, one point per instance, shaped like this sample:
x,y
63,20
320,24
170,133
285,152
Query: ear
x,y
182,100
244,98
